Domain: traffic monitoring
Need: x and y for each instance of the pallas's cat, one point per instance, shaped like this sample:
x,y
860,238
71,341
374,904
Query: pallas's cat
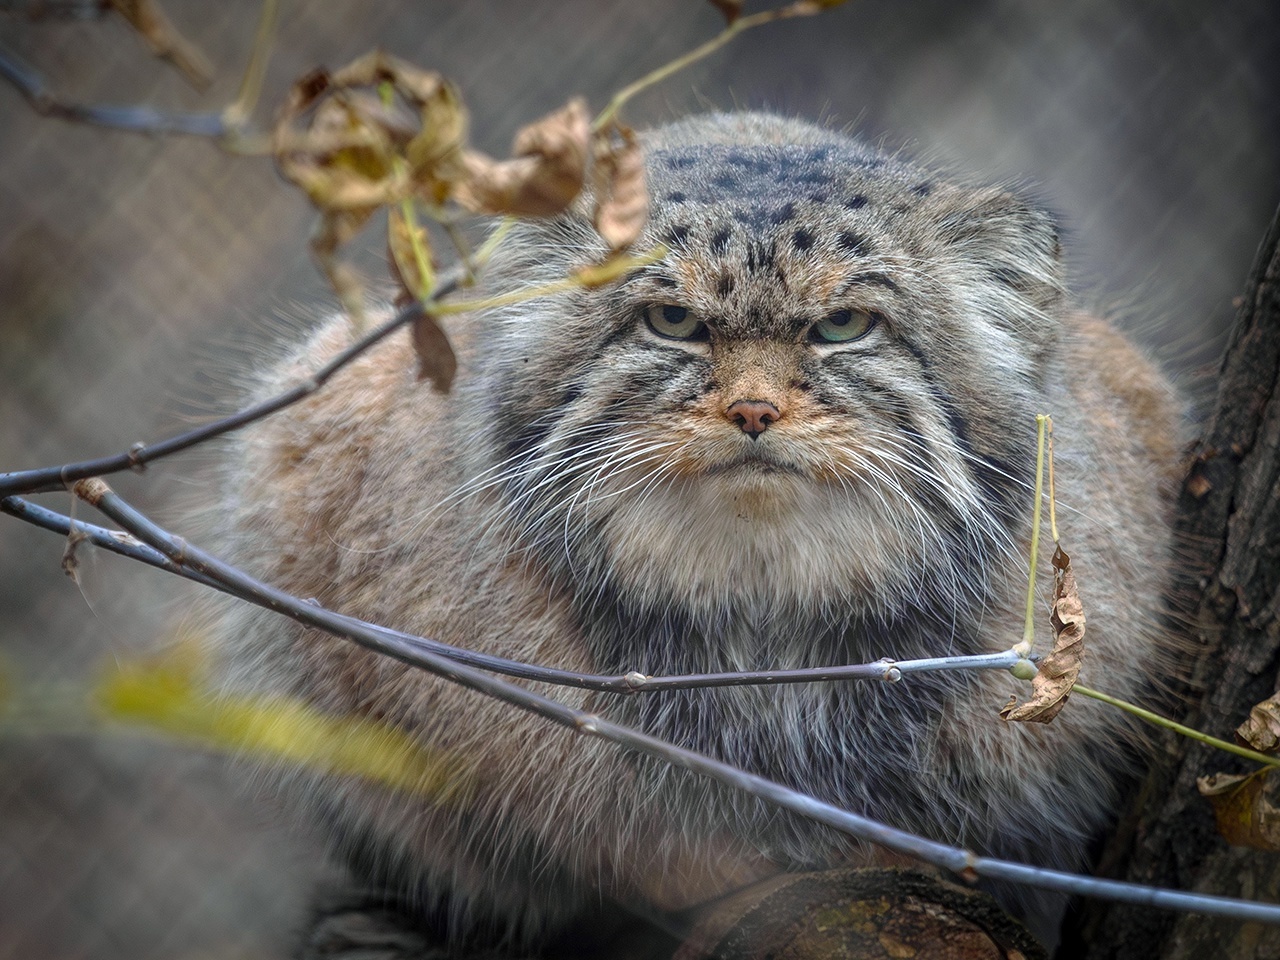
x,y
805,437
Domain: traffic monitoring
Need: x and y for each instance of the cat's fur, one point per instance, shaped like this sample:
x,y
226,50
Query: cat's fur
x,y
583,499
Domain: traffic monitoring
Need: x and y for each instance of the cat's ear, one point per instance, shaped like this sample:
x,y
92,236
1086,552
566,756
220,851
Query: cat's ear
x,y
1013,243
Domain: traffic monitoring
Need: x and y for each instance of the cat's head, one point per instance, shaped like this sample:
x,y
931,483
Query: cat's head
x,y
825,391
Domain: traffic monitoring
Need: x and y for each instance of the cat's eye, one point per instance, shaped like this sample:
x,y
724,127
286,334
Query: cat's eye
x,y
842,326
674,323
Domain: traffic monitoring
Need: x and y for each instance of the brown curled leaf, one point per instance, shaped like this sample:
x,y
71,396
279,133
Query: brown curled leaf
x,y
434,154
146,17
1261,731
436,359
732,9
545,175
337,227
1057,673
376,132
335,147
1244,808
371,133
618,182
71,555
403,245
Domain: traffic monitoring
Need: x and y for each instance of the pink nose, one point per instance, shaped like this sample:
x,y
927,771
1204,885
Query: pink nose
x,y
753,416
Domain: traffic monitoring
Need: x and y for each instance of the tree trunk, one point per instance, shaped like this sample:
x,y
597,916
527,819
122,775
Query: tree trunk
x,y
1229,525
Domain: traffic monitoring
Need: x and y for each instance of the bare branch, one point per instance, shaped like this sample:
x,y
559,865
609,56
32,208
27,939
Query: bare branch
x,y
888,670
49,479
138,119
962,862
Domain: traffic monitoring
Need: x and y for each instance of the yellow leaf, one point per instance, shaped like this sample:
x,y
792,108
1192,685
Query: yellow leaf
x,y
166,695
435,154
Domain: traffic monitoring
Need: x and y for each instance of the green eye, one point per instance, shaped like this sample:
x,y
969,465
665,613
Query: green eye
x,y
674,323
842,326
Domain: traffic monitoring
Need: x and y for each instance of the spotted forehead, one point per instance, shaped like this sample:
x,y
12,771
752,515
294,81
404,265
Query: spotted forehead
x,y
765,186
775,230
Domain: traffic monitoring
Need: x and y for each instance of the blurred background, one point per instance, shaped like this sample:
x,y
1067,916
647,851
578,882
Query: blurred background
x,y
136,272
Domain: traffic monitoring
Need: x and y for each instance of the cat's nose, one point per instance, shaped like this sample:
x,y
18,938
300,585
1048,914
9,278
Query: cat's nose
x,y
753,416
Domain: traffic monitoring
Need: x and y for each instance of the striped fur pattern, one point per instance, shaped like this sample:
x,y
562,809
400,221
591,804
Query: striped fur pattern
x,y
585,499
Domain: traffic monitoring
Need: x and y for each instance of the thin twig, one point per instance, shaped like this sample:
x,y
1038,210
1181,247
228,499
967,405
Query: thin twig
x,y
591,276
49,479
741,25
130,119
239,110
1029,626
962,862
887,670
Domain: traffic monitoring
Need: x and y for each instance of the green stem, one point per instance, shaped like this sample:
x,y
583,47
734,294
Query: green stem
x,y
608,114
235,115
1156,720
420,255
590,277
1029,625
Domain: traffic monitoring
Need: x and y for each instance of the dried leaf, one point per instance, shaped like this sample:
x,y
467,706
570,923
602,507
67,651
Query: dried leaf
x,y
732,9
335,229
618,182
544,177
70,553
343,157
370,134
1057,672
165,41
436,359
404,256
374,133
1261,731
1243,808
435,154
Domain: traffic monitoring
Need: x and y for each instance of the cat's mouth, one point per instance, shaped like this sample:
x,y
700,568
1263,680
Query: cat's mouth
x,y
753,462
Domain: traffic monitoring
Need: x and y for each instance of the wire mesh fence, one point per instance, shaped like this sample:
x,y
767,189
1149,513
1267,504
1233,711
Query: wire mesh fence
x,y
137,275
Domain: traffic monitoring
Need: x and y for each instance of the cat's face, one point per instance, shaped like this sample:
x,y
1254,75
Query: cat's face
x,y
826,389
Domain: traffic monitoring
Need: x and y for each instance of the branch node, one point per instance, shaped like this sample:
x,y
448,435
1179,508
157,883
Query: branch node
x,y
635,679
91,490
136,452
1024,669
891,672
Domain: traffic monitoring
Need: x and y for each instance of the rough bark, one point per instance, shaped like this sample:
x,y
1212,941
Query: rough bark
x,y
868,914
1229,522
